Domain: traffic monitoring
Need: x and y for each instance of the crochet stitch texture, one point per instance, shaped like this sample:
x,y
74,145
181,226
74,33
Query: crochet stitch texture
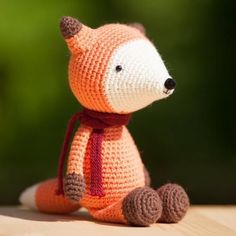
x,y
114,70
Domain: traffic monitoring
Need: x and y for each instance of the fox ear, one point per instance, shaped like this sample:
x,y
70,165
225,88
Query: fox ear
x,y
139,27
78,37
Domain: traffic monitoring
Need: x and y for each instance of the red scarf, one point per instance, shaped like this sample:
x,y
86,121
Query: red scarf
x,y
98,121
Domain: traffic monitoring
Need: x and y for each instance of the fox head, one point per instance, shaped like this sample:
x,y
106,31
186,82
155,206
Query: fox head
x,y
114,68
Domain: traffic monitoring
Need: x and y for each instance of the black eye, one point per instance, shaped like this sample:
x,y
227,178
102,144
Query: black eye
x,y
118,68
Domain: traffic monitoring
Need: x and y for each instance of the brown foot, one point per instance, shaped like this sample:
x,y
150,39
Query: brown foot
x,y
175,203
74,186
142,206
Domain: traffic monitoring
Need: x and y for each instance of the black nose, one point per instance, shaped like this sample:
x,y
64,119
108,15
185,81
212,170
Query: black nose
x,y
170,84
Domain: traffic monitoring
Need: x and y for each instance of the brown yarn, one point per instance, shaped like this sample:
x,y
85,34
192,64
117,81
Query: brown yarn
x,y
142,206
74,186
69,26
175,203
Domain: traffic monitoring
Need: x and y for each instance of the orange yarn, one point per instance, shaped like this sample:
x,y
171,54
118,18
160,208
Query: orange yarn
x,y
112,213
113,69
78,150
87,67
47,201
122,172
122,168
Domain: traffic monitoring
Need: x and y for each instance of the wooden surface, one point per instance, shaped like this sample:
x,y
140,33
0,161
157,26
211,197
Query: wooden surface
x,y
200,220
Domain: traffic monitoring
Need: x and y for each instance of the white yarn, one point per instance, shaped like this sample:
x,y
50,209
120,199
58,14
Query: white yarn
x,y
27,198
141,80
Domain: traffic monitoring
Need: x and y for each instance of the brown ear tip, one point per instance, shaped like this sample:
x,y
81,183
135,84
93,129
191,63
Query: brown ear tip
x,y
69,26
138,26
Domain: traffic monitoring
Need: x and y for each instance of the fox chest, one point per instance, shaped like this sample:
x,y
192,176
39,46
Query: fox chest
x,y
120,165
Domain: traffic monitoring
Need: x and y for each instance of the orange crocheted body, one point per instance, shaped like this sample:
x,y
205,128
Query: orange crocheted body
x,y
122,168
113,70
122,171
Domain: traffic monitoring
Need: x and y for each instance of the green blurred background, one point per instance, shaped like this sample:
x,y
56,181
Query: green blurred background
x,y
188,138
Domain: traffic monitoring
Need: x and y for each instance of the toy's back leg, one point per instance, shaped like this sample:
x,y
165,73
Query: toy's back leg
x,y
140,207
43,197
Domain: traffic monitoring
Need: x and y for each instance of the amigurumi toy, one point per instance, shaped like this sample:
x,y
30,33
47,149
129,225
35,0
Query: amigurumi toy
x,y
114,70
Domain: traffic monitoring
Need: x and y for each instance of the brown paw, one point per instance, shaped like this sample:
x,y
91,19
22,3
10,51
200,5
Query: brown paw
x,y
74,186
142,206
175,203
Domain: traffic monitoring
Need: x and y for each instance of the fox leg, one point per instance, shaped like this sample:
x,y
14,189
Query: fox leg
x,y
112,213
43,197
140,207
175,203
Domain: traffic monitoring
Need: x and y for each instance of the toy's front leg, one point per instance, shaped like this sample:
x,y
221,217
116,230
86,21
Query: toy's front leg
x,y
141,207
74,184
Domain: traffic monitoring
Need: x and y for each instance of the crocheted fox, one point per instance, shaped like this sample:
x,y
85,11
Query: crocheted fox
x,y
114,70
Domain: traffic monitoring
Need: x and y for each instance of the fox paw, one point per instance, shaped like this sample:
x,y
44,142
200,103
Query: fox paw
x,y
74,186
175,203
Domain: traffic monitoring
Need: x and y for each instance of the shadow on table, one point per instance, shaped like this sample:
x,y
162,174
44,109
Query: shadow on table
x,y
27,214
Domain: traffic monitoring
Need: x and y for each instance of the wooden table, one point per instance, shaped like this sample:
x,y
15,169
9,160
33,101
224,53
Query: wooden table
x,y
200,221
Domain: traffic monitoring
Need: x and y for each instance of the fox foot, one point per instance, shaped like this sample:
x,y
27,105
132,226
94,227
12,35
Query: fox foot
x,y
175,203
142,206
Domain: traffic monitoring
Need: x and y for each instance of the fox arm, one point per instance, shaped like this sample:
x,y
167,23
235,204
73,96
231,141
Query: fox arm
x,y
74,185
